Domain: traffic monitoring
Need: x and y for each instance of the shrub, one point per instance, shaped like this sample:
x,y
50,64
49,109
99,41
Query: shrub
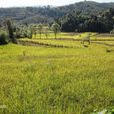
x,y
108,50
29,34
4,37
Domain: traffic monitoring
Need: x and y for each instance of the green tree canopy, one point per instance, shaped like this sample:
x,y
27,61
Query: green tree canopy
x,y
56,28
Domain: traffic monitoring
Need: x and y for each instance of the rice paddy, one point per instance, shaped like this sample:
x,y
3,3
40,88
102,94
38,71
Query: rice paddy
x,y
49,80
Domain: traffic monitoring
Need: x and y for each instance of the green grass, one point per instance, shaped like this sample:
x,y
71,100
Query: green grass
x,y
46,80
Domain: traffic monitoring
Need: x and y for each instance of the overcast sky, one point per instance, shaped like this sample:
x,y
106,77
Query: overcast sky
x,y
15,3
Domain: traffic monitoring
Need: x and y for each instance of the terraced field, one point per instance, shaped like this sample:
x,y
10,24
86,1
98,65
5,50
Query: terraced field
x,y
49,42
76,36
64,35
69,42
47,80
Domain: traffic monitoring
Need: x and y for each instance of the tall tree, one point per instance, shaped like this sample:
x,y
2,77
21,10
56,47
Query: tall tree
x,y
46,31
56,29
10,29
40,28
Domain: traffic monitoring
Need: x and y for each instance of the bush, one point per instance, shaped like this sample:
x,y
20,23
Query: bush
x,y
29,34
4,37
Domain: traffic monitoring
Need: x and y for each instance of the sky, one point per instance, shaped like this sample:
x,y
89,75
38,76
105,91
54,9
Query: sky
x,y
17,3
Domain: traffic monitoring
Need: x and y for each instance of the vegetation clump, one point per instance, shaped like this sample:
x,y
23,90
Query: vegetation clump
x,y
4,37
56,29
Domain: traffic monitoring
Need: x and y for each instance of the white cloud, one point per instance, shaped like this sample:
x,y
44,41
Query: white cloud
x,y
10,3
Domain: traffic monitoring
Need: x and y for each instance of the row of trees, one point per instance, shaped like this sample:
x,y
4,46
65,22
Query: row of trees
x,y
103,22
9,31
34,29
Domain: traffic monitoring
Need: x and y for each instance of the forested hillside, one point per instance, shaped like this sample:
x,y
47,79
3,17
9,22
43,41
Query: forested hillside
x,y
76,22
47,14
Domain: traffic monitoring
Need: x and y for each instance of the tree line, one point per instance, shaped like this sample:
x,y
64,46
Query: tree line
x,y
76,22
9,31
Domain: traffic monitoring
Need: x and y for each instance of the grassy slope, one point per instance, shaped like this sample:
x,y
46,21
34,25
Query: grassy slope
x,y
56,80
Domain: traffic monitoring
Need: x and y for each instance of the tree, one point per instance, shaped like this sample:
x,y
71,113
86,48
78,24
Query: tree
x,y
103,22
30,30
21,31
56,29
4,37
10,29
46,31
107,17
40,28
34,30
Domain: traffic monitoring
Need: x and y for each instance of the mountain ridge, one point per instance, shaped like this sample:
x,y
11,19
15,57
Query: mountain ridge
x,y
46,14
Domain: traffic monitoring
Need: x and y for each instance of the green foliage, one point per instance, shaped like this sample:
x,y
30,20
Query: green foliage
x,y
92,23
29,34
56,28
47,14
10,29
4,37
25,31
21,31
46,31
40,29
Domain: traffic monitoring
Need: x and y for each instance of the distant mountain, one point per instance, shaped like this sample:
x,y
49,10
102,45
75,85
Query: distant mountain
x,y
46,14
87,7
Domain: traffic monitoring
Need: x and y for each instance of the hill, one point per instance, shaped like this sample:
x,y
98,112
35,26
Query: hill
x,y
87,7
46,14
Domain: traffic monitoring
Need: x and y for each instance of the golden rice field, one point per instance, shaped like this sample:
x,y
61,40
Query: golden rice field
x,y
64,35
48,80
